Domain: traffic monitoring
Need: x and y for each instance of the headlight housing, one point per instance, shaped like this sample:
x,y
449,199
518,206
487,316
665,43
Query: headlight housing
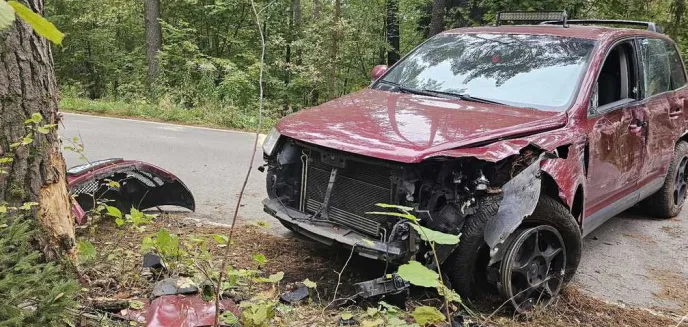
x,y
270,142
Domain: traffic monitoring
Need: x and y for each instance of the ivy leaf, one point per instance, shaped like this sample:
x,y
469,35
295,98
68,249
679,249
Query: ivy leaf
x,y
276,277
372,323
448,293
394,206
310,284
346,315
430,235
5,160
136,305
113,211
119,222
371,311
39,24
220,239
390,308
113,184
3,209
163,238
259,259
228,318
28,205
27,140
425,315
6,15
417,274
87,251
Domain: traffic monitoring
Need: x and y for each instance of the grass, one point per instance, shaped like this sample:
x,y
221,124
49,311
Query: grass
x,y
224,117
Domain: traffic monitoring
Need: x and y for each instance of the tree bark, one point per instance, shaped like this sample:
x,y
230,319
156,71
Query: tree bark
x,y
316,9
336,35
437,18
392,25
37,172
153,39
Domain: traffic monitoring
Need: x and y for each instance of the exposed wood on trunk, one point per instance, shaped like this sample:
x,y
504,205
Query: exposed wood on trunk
x,y
392,24
153,38
37,173
437,18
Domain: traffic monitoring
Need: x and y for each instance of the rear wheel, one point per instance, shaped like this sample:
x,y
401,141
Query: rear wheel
x,y
668,201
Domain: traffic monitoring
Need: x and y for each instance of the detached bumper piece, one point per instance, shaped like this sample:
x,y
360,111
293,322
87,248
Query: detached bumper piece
x,y
138,185
326,232
391,285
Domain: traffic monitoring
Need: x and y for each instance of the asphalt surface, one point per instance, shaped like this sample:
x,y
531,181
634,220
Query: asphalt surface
x,y
632,259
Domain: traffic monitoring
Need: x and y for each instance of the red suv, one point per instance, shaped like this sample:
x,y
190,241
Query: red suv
x,y
522,139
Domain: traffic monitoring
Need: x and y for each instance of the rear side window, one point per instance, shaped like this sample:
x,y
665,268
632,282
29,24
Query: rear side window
x,y
678,73
656,69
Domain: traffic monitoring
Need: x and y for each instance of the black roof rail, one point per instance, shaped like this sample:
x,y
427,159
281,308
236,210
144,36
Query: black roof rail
x,y
649,25
532,16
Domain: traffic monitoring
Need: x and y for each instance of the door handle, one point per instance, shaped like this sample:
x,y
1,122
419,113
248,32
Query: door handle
x,y
675,112
636,126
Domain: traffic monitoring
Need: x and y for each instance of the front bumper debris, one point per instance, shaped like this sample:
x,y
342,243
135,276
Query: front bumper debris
x,y
389,285
330,234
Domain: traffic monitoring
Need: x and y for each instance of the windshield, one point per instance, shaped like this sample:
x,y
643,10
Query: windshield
x,y
538,71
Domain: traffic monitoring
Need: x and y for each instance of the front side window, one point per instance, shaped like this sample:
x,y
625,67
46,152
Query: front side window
x,y
656,71
537,71
678,73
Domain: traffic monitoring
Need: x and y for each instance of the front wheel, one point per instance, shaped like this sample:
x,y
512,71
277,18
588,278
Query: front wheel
x,y
668,201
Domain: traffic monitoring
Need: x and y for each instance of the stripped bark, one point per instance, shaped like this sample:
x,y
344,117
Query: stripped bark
x,y
437,19
37,172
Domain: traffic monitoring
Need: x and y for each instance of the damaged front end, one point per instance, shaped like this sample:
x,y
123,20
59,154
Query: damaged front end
x,y
125,184
326,195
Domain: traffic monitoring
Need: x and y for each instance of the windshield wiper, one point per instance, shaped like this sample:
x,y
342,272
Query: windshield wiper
x,y
465,97
409,90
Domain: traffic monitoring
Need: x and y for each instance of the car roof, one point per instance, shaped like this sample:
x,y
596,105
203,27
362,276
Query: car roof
x,y
590,32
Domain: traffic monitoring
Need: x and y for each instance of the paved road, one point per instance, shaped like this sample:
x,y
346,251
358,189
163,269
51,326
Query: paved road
x,y
632,259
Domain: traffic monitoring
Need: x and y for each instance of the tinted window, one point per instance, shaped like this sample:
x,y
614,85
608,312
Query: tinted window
x,y
538,71
656,71
678,73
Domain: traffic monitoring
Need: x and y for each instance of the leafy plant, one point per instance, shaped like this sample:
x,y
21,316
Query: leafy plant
x,y
413,271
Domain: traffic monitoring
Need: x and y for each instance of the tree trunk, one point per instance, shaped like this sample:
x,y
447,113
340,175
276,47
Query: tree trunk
x,y
37,171
392,31
336,35
437,19
153,39
316,9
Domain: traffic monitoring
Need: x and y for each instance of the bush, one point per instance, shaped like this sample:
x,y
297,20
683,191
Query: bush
x,y
32,292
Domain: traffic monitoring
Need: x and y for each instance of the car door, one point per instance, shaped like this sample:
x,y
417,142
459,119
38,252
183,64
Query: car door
x,y
663,113
616,122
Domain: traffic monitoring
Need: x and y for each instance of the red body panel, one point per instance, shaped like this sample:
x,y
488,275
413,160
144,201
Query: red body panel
x,y
409,128
179,311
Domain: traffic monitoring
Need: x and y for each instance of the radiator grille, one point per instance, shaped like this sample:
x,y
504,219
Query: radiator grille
x,y
357,189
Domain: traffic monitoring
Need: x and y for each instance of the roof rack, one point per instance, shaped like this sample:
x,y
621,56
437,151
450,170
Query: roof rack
x,y
532,16
649,25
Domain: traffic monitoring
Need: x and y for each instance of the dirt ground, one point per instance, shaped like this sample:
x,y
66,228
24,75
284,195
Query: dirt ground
x,y
300,259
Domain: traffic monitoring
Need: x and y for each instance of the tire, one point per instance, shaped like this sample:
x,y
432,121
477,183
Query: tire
x,y
662,203
467,267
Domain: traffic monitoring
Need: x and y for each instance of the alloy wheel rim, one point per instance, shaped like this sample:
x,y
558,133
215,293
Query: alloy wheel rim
x,y
681,185
533,269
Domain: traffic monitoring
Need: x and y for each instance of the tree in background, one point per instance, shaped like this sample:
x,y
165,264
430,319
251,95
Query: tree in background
x,y
153,41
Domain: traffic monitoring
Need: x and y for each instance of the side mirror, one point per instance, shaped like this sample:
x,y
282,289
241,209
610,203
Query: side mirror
x,y
378,71
594,99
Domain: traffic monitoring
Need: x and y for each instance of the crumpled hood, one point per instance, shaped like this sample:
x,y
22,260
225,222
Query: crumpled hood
x,y
408,128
